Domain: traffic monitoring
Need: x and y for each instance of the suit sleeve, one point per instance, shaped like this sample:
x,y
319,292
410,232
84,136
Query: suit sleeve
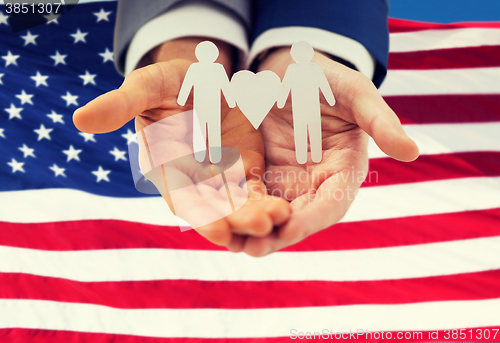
x,y
132,15
354,30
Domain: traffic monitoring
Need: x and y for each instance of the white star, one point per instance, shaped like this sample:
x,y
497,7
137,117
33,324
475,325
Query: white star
x,y
102,15
101,174
27,151
70,99
16,166
2,133
10,59
107,55
87,136
56,118
57,171
1,75
29,38
79,36
25,98
118,154
14,112
58,58
130,136
40,79
72,153
3,19
43,133
52,18
88,78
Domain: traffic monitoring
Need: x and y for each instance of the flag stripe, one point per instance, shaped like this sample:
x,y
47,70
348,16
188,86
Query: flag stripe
x,y
401,25
387,171
443,39
248,294
401,262
382,202
442,109
441,81
110,234
433,139
473,57
214,323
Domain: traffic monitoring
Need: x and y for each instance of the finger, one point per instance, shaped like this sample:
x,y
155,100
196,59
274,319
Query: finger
x,y
312,213
250,220
141,90
237,243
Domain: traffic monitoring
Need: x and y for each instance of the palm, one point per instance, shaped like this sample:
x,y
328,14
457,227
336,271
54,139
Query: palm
x,y
321,193
146,97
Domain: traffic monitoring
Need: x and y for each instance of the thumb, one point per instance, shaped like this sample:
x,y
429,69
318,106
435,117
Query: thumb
x,y
141,90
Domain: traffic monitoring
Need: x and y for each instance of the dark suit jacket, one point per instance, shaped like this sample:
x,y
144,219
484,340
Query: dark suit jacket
x,y
362,20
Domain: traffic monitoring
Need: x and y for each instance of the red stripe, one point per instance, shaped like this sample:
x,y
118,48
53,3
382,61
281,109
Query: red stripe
x,y
471,57
387,171
446,109
401,25
89,235
179,294
53,336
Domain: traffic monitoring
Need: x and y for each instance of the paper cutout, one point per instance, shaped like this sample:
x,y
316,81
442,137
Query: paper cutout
x,y
255,95
304,80
207,79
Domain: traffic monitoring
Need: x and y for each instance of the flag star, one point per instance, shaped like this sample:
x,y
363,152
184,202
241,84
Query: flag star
x,y
118,154
1,75
70,99
87,136
40,79
102,15
43,133
107,56
72,153
58,58
57,171
29,38
16,166
14,112
10,59
27,151
3,19
52,18
88,78
79,36
2,133
101,174
56,118
130,136
25,98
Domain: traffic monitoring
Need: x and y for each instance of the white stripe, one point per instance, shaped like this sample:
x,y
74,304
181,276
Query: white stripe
x,y
443,39
402,262
441,81
435,139
272,322
380,202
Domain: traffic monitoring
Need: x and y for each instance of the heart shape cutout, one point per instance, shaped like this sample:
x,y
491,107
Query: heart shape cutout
x,y
255,94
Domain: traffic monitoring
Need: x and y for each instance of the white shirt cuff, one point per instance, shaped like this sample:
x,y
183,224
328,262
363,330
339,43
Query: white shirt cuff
x,y
191,18
321,40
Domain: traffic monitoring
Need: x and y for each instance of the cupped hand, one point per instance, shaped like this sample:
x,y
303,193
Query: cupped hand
x,y
321,193
149,95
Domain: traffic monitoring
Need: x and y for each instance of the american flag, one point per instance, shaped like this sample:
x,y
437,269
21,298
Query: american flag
x,y
84,257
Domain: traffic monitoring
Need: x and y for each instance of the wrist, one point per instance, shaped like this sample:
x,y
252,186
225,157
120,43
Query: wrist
x,y
183,48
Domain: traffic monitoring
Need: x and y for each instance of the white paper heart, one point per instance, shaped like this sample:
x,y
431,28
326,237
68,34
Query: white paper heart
x,y
255,94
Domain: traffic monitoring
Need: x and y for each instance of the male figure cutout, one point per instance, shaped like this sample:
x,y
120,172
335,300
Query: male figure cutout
x,y
304,80
207,80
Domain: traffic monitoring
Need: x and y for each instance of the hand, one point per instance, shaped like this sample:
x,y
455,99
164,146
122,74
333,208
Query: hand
x,y
320,194
150,94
